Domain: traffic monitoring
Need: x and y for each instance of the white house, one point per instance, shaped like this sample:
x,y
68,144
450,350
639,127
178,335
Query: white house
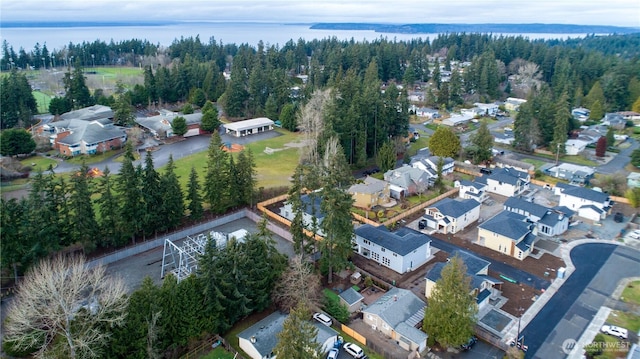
x,y
312,215
572,173
573,147
508,233
425,112
506,137
457,119
589,204
398,314
471,190
449,216
550,222
402,251
425,162
506,182
259,340
488,109
580,113
513,103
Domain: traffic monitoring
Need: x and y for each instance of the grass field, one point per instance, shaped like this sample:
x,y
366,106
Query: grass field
x,y
43,101
631,294
218,353
39,163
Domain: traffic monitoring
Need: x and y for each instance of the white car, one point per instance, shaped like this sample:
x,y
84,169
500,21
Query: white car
x,y
615,331
333,353
635,234
353,350
323,318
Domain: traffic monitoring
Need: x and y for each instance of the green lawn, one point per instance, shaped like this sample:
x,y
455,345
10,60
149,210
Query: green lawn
x,y
625,320
631,294
42,100
39,163
536,163
218,353
90,159
579,160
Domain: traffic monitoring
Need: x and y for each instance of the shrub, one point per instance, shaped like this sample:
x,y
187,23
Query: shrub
x,y
335,309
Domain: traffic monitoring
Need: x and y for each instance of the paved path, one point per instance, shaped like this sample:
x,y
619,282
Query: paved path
x,y
619,161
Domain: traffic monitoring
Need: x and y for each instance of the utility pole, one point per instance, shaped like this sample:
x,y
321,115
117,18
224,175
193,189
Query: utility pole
x,y
557,152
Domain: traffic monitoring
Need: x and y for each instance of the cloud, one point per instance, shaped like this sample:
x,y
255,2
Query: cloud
x,y
595,12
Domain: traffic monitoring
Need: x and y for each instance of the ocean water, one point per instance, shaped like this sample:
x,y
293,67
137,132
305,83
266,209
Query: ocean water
x,y
238,33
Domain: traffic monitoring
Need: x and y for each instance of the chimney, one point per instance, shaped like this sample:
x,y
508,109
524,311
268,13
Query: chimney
x,y
253,339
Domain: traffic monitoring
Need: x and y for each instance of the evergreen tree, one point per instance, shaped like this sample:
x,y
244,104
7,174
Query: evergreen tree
x,y
76,90
302,245
288,117
444,142
386,158
171,200
18,103
179,126
561,128
297,340
216,183
13,247
129,188
246,177
122,111
451,314
597,112
236,95
210,121
84,227
152,197
596,94
108,210
194,197
483,142
525,129
16,141
610,137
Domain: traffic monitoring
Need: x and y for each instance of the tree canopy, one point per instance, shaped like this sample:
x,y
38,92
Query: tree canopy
x,y
444,142
16,141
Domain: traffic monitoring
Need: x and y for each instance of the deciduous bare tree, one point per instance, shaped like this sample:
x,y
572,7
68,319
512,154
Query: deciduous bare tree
x,y
63,308
298,284
311,122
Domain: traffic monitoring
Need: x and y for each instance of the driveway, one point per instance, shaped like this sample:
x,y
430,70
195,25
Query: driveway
x,y
620,161
599,267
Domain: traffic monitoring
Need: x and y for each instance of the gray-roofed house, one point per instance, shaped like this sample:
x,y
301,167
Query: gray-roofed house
x,y
311,212
398,314
570,172
506,137
370,192
450,216
614,120
160,125
483,286
249,127
259,340
406,181
588,203
549,221
402,251
508,233
507,182
471,190
352,299
86,131
633,179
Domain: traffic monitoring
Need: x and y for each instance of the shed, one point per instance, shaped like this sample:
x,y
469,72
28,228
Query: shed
x,y
249,127
352,299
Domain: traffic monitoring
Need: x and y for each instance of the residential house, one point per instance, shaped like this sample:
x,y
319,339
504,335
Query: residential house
x,y
506,137
471,190
249,127
506,182
615,120
402,250
483,286
574,147
424,161
259,340
629,115
406,181
549,222
457,119
312,214
592,134
513,104
505,162
160,126
633,179
415,96
572,173
487,109
580,113
450,216
351,299
398,314
588,203
425,112
508,233
371,192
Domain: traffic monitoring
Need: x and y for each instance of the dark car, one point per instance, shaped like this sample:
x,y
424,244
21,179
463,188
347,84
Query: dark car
x,y
469,344
422,224
485,171
618,217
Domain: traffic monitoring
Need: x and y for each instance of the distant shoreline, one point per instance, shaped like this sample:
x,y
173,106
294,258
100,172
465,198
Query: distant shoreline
x,y
424,28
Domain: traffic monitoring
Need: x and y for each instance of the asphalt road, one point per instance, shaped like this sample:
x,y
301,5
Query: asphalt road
x,y
599,268
619,161
503,268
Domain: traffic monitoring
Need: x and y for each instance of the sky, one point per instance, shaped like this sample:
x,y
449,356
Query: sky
x,y
580,12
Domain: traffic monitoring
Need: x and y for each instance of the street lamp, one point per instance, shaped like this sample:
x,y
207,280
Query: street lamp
x,y
44,64
557,153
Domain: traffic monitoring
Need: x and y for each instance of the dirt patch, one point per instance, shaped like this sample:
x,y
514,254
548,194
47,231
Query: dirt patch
x,y
235,147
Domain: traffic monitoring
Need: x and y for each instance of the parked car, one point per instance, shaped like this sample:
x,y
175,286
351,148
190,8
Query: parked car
x,y
422,224
353,350
486,171
469,344
635,234
333,353
615,331
618,217
323,318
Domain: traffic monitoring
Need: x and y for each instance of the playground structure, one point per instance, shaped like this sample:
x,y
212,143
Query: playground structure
x,y
182,261
232,147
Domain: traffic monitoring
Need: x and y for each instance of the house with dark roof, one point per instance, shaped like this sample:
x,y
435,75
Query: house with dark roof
x,y
549,221
259,340
572,173
506,182
587,203
351,299
471,190
406,181
398,314
483,286
509,233
160,126
423,160
370,192
312,214
450,216
402,251
614,120
506,137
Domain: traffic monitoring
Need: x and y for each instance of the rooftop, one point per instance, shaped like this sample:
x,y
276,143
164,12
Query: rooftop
x,y
508,224
402,242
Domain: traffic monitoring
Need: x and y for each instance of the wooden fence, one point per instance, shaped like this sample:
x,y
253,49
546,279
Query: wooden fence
x,y
419,207
352,333
262,206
